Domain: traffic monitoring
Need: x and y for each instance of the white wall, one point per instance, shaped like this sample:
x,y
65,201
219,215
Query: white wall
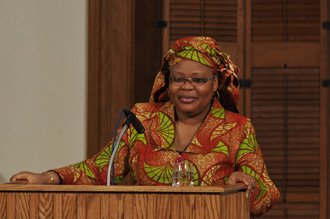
x,y
43,45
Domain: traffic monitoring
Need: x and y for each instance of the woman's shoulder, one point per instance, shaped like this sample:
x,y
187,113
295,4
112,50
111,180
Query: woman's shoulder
x,y
142,108
230,117
227,115
146,111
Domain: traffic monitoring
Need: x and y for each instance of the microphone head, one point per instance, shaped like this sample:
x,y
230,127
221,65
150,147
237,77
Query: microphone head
x,y
131,118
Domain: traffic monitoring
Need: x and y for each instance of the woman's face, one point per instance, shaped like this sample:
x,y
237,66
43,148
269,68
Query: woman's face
x,y
188,99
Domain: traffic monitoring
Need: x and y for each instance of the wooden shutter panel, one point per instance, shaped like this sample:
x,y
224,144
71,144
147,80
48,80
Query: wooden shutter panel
x,y
214,18
220,20
285,113
286,20
185,19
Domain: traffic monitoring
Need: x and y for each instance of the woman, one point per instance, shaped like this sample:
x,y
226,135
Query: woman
x,y
192,114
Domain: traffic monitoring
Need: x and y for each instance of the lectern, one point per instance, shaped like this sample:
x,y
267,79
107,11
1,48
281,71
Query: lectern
x,y
77,201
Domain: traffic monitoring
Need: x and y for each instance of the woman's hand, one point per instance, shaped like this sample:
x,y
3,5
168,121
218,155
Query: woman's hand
x,y
240,177
36,178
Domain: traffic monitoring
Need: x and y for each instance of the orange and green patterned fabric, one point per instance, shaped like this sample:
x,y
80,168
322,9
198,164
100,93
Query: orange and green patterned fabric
x,y
224,143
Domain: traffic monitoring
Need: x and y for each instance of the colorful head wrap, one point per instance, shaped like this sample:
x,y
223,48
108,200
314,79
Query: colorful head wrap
x,y
204,50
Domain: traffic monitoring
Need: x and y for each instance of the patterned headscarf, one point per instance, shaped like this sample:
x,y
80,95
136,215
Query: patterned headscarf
x,y
206,51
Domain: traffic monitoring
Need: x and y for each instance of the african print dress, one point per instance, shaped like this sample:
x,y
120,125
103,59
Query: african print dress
x,y
224,143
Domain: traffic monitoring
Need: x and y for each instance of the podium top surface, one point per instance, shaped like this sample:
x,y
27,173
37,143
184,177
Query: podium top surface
x,y
9,187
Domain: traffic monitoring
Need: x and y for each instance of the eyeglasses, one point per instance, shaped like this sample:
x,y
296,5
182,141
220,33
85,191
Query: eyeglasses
x,y
192,81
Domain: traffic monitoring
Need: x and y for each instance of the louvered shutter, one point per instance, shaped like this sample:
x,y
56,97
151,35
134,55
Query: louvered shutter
x,y
214,18
285,113
288,20
286,100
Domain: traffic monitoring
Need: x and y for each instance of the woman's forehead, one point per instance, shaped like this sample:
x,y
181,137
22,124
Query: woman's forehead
x,y
187,74
190,67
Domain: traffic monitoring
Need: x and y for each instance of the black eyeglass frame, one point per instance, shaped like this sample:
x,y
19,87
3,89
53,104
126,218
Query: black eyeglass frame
x,y
184,80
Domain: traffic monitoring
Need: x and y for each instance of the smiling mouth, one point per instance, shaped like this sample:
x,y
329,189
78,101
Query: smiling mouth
x,y
187,99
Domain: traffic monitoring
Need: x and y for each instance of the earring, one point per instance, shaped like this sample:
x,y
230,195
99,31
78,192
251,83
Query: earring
x,y
216,94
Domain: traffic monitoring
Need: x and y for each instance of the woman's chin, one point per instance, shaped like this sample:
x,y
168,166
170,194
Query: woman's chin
x,y
189,111
193,109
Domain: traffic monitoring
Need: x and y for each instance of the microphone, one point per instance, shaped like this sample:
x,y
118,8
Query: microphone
x,y
131,118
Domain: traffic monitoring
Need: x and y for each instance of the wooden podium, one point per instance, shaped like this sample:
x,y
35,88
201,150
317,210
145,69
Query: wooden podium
x,y
76,201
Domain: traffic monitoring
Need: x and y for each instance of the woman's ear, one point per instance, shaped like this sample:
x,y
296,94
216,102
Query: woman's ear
x,y
216,83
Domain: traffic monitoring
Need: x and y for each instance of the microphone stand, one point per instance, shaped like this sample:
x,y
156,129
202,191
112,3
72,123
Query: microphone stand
x,y
125,127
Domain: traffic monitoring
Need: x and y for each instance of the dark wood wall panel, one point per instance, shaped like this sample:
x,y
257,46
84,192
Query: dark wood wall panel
x,y
147,47
110,68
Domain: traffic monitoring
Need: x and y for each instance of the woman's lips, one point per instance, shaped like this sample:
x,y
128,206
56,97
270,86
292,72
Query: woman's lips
x,y
187,99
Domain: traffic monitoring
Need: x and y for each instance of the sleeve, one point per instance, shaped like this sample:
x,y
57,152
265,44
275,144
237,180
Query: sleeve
x,y
249,159
94,171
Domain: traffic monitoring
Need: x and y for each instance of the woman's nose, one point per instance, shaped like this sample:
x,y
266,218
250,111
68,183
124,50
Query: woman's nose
x,y
187,85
